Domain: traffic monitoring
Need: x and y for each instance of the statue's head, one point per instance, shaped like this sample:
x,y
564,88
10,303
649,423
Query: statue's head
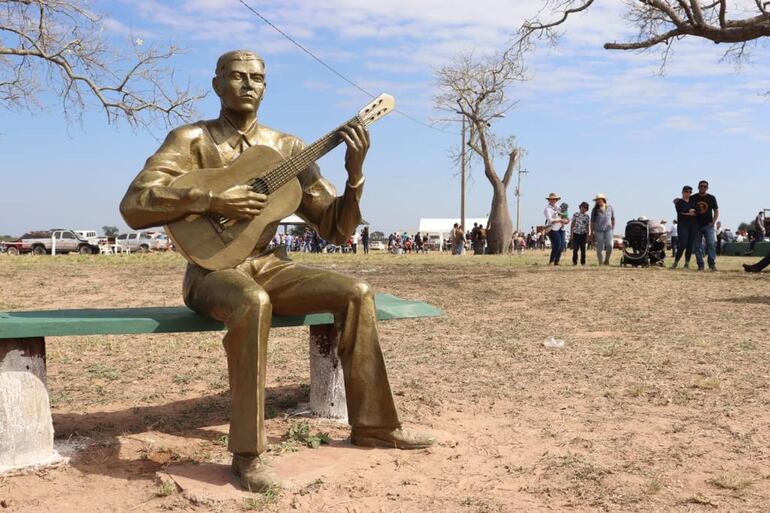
x,y
240,80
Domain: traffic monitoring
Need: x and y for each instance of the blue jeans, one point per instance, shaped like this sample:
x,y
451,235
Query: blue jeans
x,y
603,243
557,245
709,233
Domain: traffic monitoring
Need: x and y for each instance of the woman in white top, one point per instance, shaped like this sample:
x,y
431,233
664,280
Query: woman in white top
x,y
555,222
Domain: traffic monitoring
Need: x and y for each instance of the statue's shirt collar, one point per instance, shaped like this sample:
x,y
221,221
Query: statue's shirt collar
x,y
222,130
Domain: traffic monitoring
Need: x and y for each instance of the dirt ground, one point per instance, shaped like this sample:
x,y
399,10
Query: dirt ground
x,y
659,401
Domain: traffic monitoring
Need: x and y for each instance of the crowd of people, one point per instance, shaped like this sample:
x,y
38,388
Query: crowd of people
x,y
596,228
404,243
310,242
696,230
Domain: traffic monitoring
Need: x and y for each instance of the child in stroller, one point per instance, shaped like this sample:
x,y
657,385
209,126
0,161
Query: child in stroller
x,y
644,243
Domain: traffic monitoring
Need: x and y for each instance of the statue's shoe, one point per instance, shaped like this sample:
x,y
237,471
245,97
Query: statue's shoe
x,y
255,476
392,438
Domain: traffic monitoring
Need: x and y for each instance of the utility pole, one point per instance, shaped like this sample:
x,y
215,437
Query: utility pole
x,y
462,177
518,194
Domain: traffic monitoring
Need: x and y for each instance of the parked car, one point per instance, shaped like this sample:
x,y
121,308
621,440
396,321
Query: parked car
x,y
142,242
376,245
66,241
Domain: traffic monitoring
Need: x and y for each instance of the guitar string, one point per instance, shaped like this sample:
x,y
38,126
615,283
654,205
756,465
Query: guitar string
x,y
292,167
287,170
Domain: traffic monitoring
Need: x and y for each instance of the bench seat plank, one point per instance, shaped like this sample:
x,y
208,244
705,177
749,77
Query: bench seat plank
x,y
170,319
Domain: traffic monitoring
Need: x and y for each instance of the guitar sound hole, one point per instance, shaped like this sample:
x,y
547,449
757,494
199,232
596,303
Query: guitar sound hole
x,y
260,186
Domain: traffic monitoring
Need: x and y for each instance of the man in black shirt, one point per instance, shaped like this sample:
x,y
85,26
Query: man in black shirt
x,y
707,213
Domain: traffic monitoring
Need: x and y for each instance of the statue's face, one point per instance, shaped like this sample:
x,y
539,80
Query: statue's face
x,y
241,85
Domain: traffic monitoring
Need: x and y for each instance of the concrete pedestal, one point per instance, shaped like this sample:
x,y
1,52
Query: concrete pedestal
x,y
327,385
26,430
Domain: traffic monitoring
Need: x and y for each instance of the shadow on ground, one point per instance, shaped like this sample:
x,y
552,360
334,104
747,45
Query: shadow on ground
x,y
748,300
190,418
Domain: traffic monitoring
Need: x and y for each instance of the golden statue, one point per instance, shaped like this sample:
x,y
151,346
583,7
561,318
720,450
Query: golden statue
x,y
245,296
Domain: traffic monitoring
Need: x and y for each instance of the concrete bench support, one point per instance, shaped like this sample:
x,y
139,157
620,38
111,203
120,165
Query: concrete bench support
x,y
327,386
26,431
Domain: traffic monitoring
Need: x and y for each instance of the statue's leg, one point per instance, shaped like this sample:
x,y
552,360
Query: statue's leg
x,y
234,298
298,290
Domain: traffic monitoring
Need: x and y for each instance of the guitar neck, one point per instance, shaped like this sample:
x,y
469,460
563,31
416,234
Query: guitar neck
x,y
291,167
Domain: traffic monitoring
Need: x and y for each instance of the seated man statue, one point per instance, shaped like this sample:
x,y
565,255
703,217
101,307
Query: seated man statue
x,y
267,282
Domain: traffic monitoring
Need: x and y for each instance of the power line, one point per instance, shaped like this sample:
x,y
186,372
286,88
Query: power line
x,y
330,68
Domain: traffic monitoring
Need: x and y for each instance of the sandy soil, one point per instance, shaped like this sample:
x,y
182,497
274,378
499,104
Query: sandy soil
x,y
659,402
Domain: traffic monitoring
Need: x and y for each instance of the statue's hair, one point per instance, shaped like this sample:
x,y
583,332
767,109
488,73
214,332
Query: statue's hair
x,y
237,55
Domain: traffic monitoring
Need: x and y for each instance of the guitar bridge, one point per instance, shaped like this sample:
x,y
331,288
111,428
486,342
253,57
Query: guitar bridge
x,y
219,223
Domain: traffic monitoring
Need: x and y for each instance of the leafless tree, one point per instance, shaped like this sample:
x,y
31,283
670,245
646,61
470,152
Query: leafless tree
x,y
477,89
662,22
60,46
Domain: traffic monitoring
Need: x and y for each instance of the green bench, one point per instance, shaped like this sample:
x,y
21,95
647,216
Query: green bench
x,y
26,430
741,248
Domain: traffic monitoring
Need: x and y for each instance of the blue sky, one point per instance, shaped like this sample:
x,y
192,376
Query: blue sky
x,y
590,120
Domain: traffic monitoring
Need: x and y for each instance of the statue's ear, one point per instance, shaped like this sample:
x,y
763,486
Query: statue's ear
x,y
215,84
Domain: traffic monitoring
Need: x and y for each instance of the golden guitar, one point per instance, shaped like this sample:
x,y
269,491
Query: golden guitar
x,y
215,242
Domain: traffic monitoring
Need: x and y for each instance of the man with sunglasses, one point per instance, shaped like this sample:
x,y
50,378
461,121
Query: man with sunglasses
x,y
706,214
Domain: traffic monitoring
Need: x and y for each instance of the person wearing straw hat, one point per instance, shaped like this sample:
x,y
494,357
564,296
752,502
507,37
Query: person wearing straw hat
x,y
555,223
602,227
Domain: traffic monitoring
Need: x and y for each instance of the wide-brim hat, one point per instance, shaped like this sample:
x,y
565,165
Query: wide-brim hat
x,y
600,196
553,195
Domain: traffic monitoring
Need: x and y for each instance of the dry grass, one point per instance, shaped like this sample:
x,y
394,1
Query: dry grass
x,y
659,402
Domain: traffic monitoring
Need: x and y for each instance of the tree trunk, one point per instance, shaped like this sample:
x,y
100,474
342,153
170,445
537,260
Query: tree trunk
x,y
500,224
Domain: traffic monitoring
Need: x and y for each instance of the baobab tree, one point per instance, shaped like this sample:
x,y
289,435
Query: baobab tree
x,y
477,89
60,47
662,22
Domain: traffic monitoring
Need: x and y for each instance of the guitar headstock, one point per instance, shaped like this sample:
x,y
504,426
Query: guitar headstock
x,y
377,108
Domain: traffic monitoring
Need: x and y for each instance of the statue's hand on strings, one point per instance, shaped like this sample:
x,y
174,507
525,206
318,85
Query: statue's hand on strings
x,y
356,136
238,202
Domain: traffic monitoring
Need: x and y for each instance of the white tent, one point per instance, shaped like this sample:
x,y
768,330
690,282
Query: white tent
x,y
438,229
292,219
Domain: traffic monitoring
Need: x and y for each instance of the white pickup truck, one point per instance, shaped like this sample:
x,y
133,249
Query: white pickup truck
x,y
64,241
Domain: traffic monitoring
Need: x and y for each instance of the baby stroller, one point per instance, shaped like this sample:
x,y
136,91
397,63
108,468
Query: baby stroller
x,y
643,244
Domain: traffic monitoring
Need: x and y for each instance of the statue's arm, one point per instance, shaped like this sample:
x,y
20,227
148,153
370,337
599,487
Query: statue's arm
x,y
335,218
150,200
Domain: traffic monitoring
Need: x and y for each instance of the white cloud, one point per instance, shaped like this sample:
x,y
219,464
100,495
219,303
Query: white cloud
x,y
394,46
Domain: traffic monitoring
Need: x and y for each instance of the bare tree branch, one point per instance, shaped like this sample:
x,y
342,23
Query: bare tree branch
x,y
512,158
662,22
59,46
568,11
